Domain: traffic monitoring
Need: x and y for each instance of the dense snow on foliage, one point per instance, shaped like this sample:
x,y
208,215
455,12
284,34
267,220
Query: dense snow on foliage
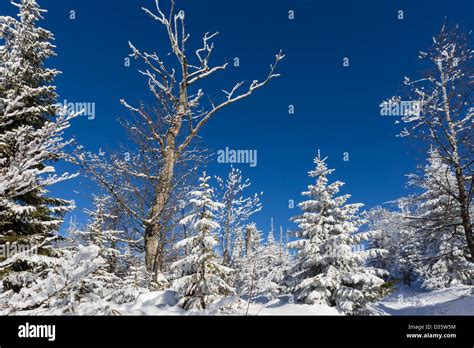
x,y
328,270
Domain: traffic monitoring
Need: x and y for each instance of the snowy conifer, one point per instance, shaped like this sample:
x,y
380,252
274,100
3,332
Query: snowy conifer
x,y
271,271
30,127
262,270
136,279
103,231
236,210
31,130
327,269
203,280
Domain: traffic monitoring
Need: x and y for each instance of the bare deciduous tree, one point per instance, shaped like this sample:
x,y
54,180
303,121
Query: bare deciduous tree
x,y
445,118
184,111
130,175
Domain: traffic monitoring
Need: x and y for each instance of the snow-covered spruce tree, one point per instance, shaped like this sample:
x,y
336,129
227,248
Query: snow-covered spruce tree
x,y
123,275
90,276
203,279
136,279
328,271
237,209
262,270
31,129
248,277
442,252
103,231
272,268
250,266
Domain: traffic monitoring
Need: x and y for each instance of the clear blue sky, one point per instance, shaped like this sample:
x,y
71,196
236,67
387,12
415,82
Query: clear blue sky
x,y
337,108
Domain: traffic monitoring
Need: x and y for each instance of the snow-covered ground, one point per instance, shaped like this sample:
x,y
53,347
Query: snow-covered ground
x,y
164,303
404,301
153,303
458,300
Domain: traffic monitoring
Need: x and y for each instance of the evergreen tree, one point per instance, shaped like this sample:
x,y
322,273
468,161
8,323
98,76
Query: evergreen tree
x,y
103,232
262,271
31,129
327,269
29,117
248,275
203,280
136,279
236,210
68,286
272,269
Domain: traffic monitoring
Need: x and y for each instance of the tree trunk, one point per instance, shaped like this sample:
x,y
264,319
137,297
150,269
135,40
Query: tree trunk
x,y
462,193
247,241
151,246
226,253
154,232
465,217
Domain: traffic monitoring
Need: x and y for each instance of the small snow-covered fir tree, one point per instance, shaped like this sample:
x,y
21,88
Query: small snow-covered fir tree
x,y
272,270
103,231
236,210
263,268
203,280
136,279
251,265
327,269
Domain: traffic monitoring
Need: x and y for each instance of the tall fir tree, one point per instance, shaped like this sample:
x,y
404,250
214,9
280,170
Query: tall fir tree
x,y
31,140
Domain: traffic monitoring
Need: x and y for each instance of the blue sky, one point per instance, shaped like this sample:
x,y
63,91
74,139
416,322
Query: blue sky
x,y
336,107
